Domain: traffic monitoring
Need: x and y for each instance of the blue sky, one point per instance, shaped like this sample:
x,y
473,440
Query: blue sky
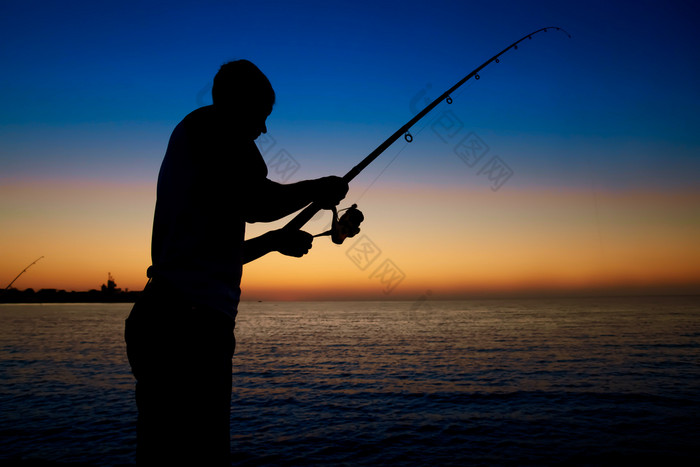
x,y
91,91
92,88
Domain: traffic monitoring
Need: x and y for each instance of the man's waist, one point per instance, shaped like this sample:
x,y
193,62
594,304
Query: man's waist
x,y
220,292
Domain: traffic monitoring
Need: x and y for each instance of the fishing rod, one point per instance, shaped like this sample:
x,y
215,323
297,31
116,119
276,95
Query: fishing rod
x,y
23,271
348,224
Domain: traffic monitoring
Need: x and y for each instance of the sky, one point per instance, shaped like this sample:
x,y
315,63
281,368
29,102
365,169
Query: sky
x,y
571,166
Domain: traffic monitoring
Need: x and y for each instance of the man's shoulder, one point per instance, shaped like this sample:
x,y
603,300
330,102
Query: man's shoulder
x,y
201,127
204,132
203,115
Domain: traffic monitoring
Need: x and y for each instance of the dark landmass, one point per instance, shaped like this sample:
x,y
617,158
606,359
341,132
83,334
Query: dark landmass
x,y
108,293
63,296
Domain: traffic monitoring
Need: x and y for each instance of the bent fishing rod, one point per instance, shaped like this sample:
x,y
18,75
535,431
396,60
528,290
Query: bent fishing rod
x,y
23,271
348,225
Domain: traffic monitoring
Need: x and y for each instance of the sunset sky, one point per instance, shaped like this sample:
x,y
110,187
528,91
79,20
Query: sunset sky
x,y
599,134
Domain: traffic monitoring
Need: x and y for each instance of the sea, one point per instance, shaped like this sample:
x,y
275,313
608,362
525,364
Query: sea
x,y
527,382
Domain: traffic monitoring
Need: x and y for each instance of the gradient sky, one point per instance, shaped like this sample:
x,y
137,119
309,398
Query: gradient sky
x,y
600,132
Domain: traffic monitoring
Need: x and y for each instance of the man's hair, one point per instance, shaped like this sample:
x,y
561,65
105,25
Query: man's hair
x,y
240,84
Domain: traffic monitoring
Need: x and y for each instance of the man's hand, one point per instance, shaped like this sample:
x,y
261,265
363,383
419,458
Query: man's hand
x,y
330,191
292,242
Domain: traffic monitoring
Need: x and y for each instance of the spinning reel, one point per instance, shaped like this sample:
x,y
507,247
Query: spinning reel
x,y
347,226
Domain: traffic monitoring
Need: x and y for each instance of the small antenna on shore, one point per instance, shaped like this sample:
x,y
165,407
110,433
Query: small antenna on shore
x,y
23,271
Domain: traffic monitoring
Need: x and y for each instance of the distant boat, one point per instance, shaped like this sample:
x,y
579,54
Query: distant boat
x,y
111,287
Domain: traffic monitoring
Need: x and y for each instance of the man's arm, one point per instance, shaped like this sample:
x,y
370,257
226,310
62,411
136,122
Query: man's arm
x,y
288,242
273,201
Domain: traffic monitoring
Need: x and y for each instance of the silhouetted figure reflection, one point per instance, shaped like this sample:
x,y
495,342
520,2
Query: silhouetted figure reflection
x,y
179,336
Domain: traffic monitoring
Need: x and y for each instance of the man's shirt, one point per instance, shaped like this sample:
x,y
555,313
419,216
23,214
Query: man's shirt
x,y
209,185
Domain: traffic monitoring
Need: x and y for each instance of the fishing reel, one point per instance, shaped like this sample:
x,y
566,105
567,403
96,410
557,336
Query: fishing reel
x,y
347,226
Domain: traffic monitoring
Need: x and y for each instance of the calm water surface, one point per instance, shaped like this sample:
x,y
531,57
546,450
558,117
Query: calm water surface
x,y
608,381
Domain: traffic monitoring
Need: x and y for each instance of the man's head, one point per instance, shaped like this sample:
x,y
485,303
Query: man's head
x,y
244,94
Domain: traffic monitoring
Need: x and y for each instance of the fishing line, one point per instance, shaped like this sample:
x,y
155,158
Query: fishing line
x,y
407,143
310,211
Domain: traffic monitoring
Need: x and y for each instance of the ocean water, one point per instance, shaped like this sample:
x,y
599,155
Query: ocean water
x,y
595,381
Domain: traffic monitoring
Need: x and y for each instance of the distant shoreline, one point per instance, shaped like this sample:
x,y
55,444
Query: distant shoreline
x,y
64,296
48,296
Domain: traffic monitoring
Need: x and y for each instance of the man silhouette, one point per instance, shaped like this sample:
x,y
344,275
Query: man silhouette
x,y
179,335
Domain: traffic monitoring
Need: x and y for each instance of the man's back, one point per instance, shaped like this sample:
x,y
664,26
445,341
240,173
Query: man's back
x,y
198,230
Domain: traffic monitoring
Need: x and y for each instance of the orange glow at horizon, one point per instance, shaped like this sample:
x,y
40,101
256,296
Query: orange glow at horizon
x,y
83,229
457,241
445,240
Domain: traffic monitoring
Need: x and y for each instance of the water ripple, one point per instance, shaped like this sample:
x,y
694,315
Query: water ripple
x,y
558,382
